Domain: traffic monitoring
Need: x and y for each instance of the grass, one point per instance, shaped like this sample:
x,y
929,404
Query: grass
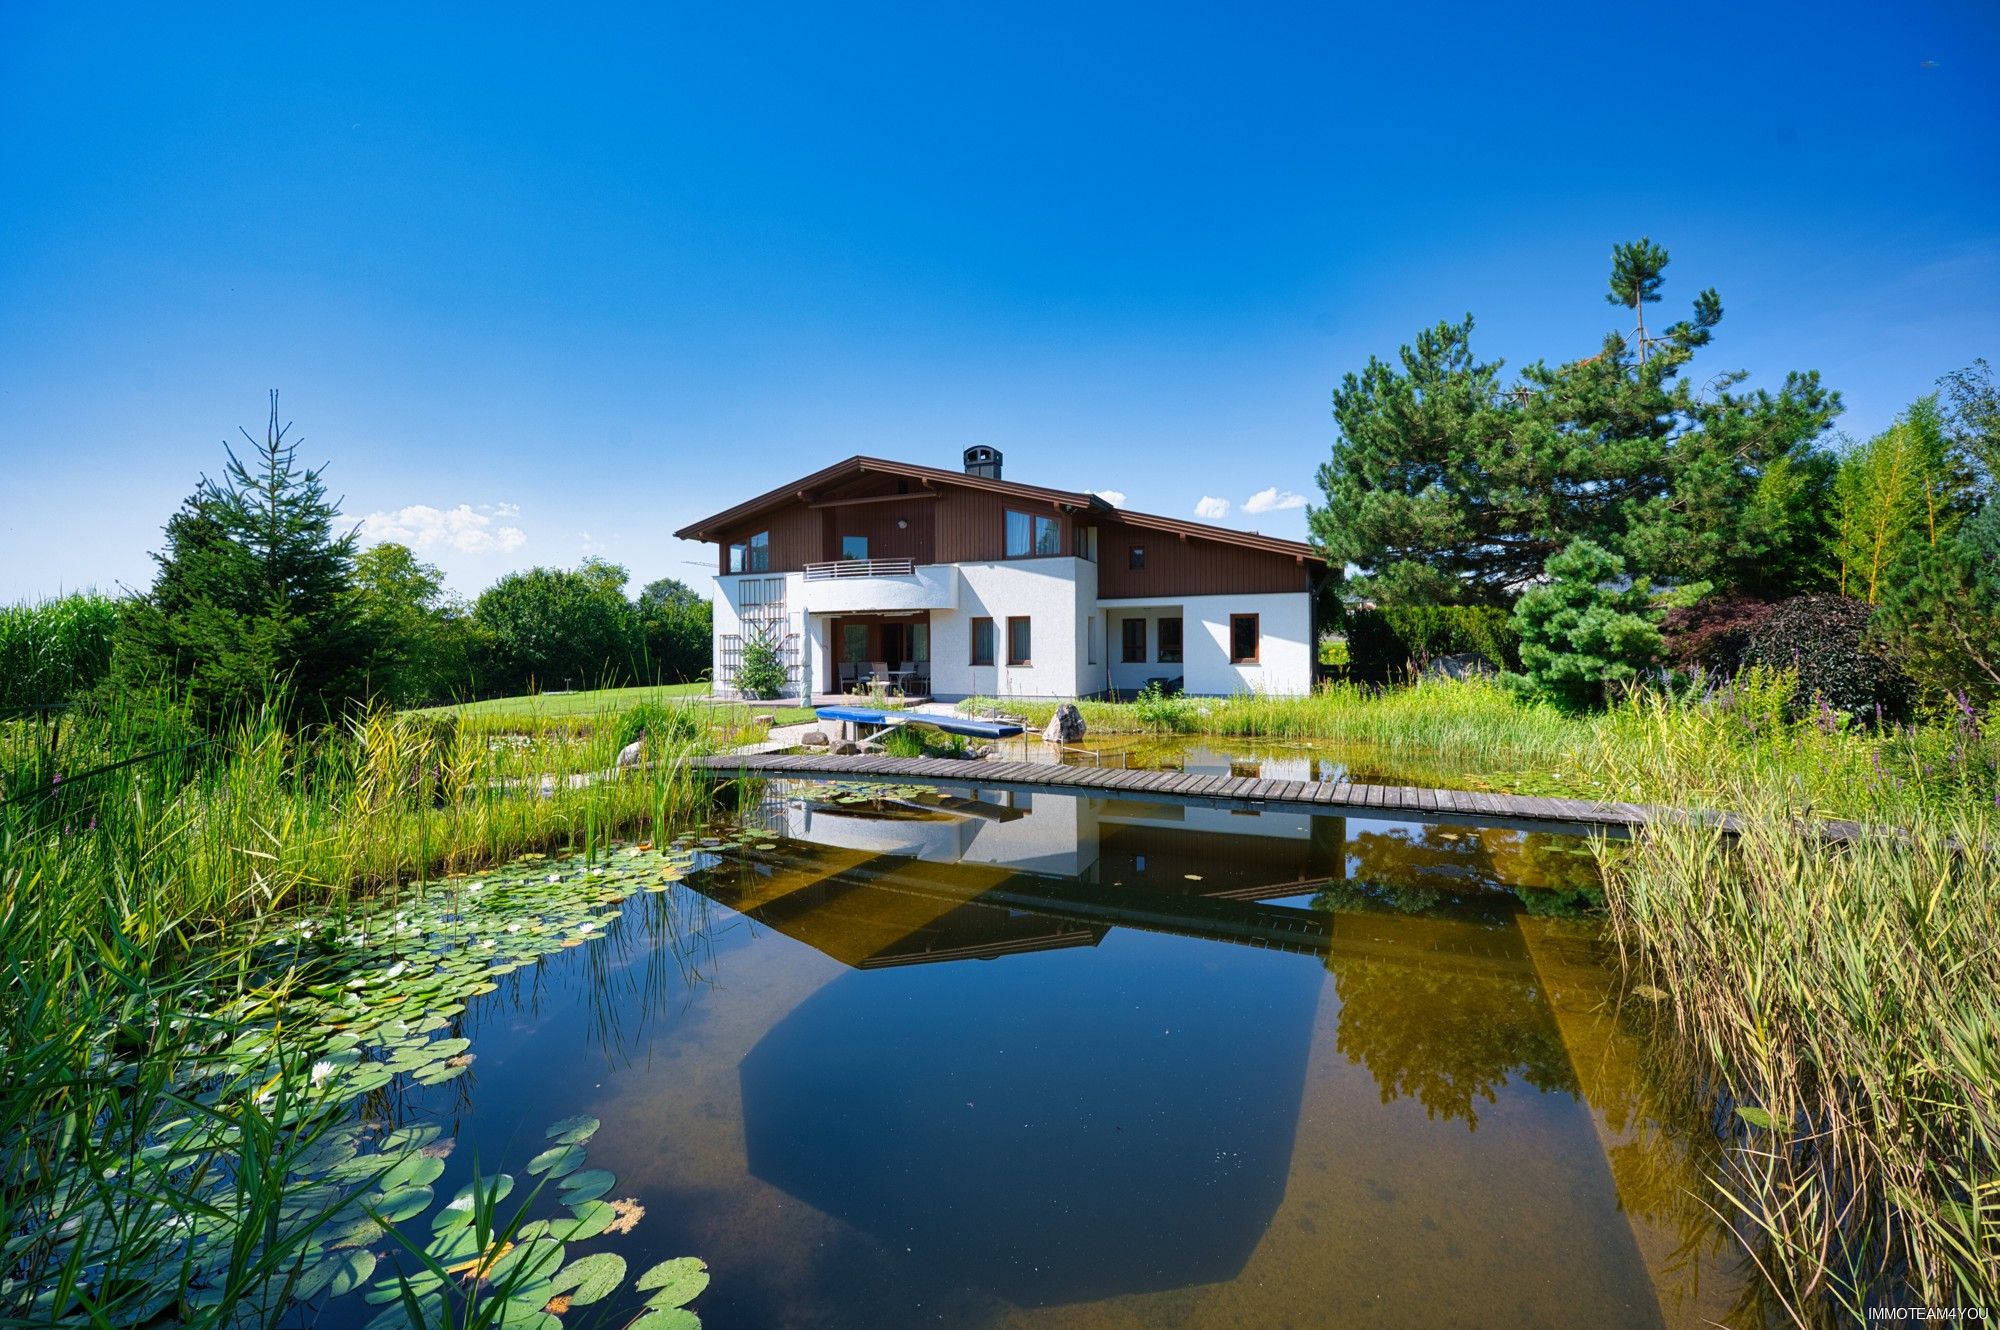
x,y
134,899
542,711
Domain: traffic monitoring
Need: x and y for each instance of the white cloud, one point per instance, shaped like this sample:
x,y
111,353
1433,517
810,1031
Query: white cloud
x,y
1116,498
1272,500
467,529
1211,509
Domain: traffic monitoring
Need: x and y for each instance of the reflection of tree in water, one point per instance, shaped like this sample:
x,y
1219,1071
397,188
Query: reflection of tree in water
x,y
1446,1030
1415,868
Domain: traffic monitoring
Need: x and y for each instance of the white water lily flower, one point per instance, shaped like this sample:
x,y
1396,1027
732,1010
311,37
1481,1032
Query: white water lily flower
x,y
475,886
320,1071
513,928
488,944
555,877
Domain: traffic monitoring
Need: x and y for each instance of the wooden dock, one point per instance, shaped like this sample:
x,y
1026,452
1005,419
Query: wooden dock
x,y
1393,802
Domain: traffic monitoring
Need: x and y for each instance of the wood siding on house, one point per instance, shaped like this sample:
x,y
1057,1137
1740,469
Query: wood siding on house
x,y
1191,567
958,526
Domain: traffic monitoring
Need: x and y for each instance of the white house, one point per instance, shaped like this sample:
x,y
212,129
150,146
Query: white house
x,y
957,583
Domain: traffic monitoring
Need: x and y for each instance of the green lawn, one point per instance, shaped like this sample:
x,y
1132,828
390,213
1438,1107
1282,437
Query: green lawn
x,y
607,701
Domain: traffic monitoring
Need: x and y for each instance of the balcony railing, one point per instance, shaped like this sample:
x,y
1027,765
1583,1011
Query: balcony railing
x,y
840,568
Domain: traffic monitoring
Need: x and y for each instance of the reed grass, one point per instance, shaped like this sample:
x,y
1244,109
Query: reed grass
x,y
1841,1003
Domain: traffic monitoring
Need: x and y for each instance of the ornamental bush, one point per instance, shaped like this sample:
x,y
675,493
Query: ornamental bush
x,y
762,673
1713,634
1581,630
1384,643
1825,639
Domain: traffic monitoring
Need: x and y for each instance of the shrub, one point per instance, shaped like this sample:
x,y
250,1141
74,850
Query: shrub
x,y
762,673
922,741
1825,639
1580,631
670,724
1713,634
1385,643
1169,714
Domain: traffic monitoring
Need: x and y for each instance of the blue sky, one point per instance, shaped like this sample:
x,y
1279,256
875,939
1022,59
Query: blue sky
x,y
570,282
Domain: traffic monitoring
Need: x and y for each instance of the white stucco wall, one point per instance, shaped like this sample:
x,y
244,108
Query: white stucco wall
x,y
1131,677
1050,593
1285,653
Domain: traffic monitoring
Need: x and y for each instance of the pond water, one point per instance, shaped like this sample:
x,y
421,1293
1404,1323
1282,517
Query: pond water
x,y
1054,1061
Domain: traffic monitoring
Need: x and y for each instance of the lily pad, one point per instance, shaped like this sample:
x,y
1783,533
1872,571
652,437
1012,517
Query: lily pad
x,y
674,1283
590,1279
337,1273
587,1185
557,1160
573,1131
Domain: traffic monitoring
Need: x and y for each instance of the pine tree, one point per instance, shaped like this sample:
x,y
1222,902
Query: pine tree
x,y
253,593
1581,630
1449,484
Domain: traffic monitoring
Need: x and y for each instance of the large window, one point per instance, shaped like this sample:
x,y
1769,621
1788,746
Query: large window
x,y
982,641
1020,644
1170,641
752,555
1135,642
854,547
1243,639
1030,536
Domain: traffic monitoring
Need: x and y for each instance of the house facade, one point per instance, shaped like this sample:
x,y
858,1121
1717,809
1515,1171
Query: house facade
x,y
962,584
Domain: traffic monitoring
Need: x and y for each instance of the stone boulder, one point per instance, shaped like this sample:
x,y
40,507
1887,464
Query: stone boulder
x,y
815,739
845,748
1065,727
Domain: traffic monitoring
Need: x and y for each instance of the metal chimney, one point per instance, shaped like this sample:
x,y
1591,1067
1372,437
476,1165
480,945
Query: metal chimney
x,y
982,461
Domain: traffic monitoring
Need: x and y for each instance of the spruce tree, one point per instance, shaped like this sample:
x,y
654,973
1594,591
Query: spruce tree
x,y
253,594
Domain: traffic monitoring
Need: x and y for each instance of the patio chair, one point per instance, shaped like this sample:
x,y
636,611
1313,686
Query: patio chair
x,y
845,676
878,672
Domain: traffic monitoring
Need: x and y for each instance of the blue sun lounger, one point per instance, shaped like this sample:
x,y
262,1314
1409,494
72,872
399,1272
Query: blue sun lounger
x,y
966,725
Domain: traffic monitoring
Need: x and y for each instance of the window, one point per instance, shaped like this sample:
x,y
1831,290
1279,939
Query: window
x,y
853,643
920,643
854,547
1090,635
752,555
1135,641
1135,556
982,641
1243,639
1086,544
1029,536
1019,643
1170,641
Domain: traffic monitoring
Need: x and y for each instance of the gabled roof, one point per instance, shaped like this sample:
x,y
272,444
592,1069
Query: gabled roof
x,y
806,487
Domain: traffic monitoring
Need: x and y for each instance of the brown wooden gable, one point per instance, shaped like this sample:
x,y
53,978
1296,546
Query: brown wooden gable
x,y
933,516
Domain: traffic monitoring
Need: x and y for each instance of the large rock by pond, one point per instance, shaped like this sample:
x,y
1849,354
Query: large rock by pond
x,y
1065,727
815,739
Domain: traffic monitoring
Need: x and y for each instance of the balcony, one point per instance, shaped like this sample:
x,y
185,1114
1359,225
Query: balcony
x,y
876,586
845,568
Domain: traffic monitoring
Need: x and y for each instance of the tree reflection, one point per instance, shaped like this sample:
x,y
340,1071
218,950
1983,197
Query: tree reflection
x,y
1444,1012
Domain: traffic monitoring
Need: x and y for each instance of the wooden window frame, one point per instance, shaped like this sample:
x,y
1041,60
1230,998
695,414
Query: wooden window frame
x,y
1125,656
845,556
1022,662
1257,627
1180,640
972,647
1135,558
1035,521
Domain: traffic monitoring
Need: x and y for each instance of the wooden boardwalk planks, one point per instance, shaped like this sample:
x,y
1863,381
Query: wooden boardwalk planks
x,y
1332,796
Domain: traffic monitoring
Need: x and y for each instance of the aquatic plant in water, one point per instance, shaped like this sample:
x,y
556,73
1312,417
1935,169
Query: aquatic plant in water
x,y
273,1187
